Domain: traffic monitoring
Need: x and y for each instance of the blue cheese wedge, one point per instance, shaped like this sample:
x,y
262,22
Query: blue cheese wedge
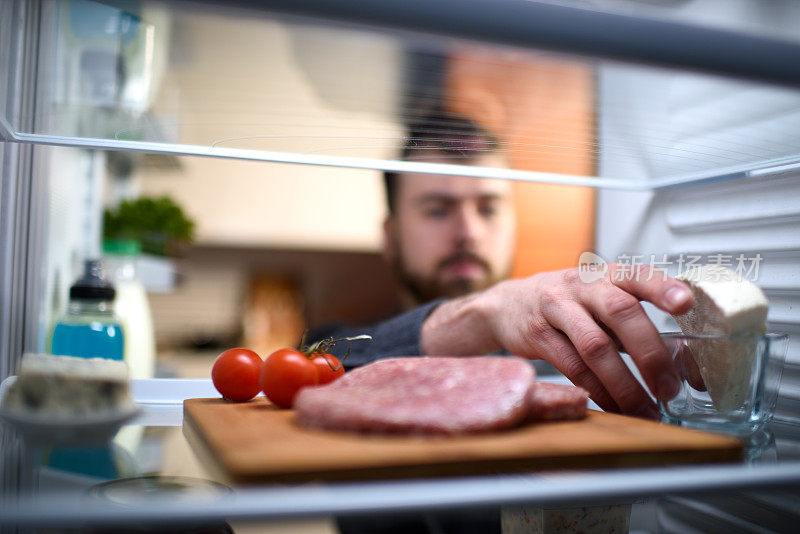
x,y
729,305
68,386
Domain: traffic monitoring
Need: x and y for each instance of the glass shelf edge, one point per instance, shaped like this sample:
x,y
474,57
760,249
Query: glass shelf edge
x,y
316,159
282,502
762,169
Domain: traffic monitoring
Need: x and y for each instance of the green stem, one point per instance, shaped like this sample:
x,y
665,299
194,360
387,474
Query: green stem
x,y
323,346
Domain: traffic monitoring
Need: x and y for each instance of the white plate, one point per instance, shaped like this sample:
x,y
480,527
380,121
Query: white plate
x,y
67,429
72,430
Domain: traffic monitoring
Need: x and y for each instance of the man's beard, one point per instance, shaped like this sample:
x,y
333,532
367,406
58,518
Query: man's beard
x,y
425,289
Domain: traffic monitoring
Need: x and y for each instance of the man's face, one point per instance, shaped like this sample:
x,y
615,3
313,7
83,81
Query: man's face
x,y
451,235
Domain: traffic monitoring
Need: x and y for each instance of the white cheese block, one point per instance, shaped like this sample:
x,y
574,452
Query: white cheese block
x,y
66,385
726,304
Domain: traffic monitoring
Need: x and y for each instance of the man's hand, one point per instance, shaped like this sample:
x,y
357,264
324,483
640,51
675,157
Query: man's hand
x,y
578,327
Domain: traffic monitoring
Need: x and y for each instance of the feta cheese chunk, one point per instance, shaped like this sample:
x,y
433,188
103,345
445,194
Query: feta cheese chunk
x,y
725,304
66,385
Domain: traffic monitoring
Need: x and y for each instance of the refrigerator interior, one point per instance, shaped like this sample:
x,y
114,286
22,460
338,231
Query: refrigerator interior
x,y
684,162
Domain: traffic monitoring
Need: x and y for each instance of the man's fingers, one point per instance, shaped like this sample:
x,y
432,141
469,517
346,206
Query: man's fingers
x,y
610,333
566,359
598,353
623,314
652,285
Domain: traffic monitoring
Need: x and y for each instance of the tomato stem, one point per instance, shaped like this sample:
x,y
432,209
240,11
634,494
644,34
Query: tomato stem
x,y
323,346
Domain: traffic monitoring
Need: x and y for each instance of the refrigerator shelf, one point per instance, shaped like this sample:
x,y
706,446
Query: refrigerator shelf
x,y
332,83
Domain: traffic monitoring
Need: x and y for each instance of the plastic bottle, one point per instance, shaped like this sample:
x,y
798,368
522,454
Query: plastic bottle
x,y
90,329
132,306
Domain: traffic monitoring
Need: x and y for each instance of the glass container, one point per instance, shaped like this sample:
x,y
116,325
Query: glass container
x,y
729,383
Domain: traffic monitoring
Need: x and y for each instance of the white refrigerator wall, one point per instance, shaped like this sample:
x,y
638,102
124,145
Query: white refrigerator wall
x,y
755,220
752,223
72,181
74,191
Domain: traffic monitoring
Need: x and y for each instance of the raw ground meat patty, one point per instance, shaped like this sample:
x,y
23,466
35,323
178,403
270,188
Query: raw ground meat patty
x,y
556,402
422,395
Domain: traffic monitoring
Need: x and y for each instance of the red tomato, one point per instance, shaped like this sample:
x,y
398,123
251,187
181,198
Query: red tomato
x,y
284,372
235,374
326,363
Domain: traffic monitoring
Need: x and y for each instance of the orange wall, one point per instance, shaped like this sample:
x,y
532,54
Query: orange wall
x,y
543,110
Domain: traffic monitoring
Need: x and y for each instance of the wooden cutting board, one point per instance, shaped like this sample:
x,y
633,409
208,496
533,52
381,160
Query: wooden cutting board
x,y
254,441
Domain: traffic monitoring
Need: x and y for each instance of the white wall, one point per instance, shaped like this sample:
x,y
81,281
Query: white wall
x,y
246,83
758,215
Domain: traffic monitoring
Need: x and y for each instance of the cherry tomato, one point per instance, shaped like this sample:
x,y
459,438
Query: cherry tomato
x,y
326,363
235,374
284,373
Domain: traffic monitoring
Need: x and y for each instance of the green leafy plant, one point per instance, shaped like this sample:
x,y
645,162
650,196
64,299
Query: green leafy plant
x,y
159,224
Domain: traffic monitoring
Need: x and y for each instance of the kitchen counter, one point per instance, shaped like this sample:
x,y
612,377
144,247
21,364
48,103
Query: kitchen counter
x,y
39,495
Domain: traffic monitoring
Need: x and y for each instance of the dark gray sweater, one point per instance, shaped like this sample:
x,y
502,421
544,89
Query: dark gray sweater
x,y
397,336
